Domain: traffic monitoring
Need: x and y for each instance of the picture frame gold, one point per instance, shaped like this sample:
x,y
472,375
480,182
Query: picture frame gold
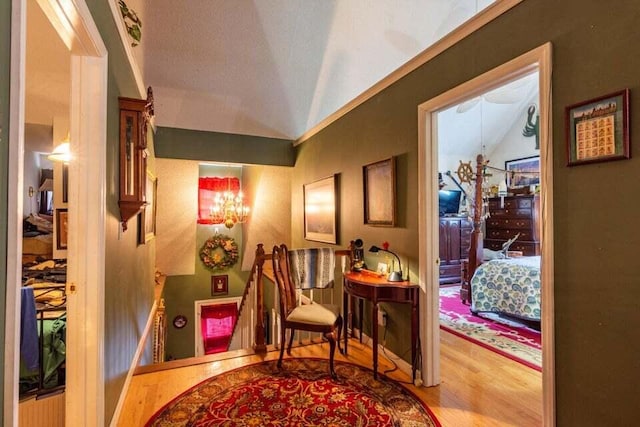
x,y
62,229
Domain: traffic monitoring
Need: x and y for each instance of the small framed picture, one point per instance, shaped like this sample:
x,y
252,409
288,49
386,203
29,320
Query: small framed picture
x,y
598,130
62,228
383,268
219,285
523,172
379,183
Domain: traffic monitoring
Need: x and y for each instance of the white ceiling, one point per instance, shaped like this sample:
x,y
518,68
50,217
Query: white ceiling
x,y
276,68
48,65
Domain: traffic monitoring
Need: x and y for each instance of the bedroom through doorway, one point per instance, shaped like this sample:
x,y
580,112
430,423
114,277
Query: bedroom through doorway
x,y
459,100
498,305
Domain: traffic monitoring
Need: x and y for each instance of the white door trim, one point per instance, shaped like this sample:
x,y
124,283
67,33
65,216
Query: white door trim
x,y
87,200
540,59
199,348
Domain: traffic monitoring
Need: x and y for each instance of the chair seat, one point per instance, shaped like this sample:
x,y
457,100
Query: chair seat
x,y
315,314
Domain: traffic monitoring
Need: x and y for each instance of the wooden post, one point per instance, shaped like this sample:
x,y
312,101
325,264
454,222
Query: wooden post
x,y
475,254
259,345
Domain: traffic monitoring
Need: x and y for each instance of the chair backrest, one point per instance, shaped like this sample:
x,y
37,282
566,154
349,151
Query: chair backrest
x,y
286,287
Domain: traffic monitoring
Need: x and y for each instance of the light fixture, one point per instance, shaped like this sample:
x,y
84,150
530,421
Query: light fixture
x,y
394,276
62,153
228,208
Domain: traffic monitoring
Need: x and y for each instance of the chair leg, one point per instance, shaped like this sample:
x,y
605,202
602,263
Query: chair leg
x,y
283,340
293,332
331,337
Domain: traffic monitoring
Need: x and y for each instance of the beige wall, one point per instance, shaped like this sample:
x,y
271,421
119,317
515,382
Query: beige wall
x,y
176,216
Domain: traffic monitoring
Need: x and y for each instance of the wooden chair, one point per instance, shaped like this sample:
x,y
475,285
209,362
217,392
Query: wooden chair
x,y
314,317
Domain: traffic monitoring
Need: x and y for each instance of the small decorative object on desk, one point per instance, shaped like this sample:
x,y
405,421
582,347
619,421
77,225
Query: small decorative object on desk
x,y
395,275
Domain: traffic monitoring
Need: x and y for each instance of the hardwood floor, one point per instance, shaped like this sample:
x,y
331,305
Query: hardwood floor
x,y
479,387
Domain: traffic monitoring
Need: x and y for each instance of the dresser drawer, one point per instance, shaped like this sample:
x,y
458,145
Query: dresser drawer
x,y
511,213
508,223
508,233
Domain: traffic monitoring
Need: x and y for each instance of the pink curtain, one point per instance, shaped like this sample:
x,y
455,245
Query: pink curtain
x,y
207,189
217,322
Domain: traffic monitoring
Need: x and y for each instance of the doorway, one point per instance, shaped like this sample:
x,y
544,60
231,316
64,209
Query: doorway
x,y
536,60
74,25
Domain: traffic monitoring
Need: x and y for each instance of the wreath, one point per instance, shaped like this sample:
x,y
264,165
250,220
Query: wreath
x,y
219,252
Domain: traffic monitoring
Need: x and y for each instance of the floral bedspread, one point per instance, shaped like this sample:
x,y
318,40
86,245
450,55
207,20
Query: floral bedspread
x,y
510,286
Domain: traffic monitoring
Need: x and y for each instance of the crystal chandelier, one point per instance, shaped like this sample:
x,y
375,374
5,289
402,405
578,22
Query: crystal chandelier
x,y
228,208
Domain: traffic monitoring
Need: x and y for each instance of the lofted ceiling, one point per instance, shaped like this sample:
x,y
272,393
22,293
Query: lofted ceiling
x,y
273,68
277,68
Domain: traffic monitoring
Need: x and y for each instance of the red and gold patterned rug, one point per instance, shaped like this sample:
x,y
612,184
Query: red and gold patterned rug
x,y
302,394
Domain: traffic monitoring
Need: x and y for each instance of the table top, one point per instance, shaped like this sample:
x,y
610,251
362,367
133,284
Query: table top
x,y
371,278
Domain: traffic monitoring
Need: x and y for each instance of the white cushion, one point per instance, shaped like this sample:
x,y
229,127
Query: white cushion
x,y
316,314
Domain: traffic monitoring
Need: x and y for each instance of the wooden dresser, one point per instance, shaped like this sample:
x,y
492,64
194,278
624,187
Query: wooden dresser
x,y
455,239
520,214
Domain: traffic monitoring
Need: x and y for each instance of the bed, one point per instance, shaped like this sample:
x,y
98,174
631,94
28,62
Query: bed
x,y
509,286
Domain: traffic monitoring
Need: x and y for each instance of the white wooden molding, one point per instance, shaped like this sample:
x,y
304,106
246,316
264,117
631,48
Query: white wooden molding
x,y
539,59
87,199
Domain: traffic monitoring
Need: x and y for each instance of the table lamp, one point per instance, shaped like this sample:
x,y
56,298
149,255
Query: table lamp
x,y
394,276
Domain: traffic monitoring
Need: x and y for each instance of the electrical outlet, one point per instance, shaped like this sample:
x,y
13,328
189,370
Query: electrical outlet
x,y
382,318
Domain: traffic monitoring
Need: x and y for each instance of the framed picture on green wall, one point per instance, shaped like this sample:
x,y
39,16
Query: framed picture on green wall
x,y
598,129
320,212
379,183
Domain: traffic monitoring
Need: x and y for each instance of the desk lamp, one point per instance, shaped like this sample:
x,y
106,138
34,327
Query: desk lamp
x,y
394,276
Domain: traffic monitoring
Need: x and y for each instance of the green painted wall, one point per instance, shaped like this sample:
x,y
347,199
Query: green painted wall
x,y
597,285
223,147
5,73
181,292
129,267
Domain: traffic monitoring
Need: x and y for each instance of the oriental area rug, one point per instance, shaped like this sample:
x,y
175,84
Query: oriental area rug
x,y
301,394
506,337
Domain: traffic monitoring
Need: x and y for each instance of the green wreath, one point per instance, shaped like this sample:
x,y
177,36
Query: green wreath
x,y
219,252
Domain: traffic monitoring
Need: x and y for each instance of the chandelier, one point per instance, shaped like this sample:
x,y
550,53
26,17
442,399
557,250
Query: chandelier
x,y
228,208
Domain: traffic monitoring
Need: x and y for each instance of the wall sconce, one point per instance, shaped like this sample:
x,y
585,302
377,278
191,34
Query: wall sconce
x,y
62,153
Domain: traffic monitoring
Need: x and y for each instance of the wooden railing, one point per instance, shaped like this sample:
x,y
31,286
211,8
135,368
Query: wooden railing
x,y
256,278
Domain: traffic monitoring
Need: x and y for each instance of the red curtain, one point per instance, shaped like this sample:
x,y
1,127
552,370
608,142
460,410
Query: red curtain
x,y
216,323
207,189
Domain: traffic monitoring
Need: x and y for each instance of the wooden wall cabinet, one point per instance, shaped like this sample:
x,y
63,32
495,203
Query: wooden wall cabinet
x,y
135,115
455,239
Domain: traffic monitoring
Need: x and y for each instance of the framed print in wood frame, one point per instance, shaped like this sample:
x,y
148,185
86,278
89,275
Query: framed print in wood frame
x,y
379,183
219,285
320,210
523,172
598,130
62,228
147,218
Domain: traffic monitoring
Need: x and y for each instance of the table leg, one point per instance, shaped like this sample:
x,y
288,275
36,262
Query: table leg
x,y
374,322
360,316
345,309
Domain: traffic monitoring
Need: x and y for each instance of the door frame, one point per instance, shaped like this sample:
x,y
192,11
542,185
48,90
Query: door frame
x,y
541,59
74,24
198,345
